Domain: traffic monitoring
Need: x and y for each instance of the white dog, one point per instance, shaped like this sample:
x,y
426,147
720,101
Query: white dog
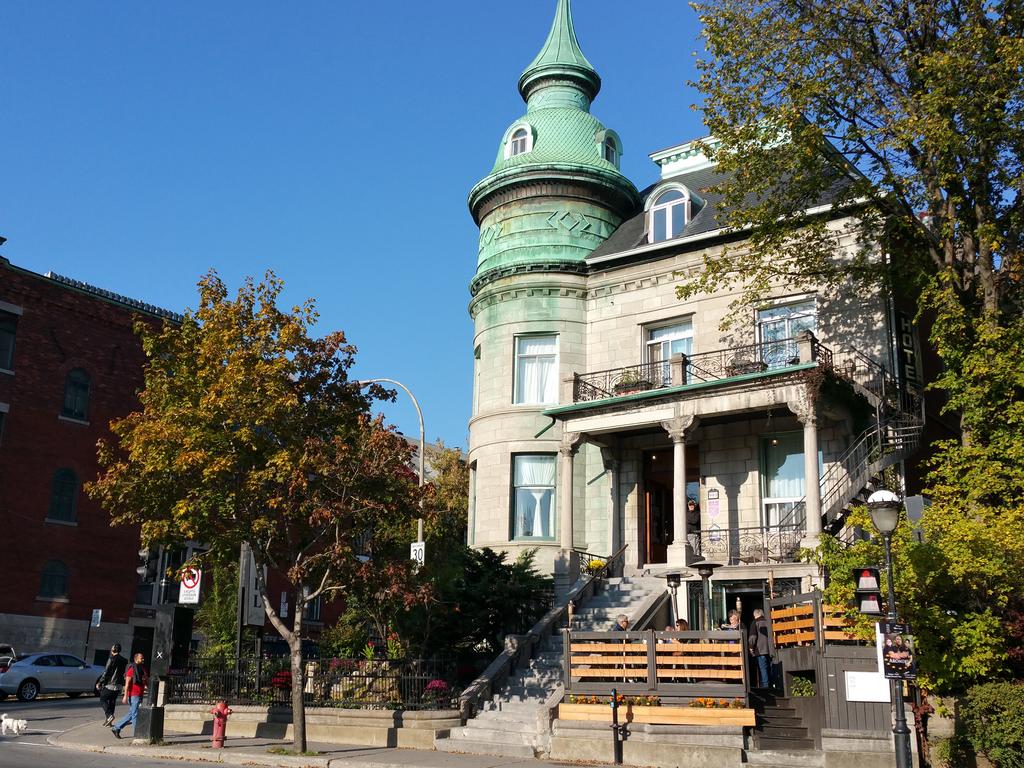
x,y
17,727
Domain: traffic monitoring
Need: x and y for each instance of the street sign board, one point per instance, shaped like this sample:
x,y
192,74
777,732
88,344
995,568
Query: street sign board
x,y
188,593
418,552
97,617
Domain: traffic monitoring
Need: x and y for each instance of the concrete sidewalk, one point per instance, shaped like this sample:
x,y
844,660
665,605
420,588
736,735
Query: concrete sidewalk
x,y
93,737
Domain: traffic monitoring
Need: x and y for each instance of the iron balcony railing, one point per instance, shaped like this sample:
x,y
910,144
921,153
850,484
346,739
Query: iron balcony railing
x,y
716,365
737,546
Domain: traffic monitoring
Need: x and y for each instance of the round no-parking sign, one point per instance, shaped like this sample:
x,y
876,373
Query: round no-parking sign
x,y
188,594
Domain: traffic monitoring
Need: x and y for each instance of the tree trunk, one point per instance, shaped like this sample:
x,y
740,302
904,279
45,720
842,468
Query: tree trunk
x,y
298,676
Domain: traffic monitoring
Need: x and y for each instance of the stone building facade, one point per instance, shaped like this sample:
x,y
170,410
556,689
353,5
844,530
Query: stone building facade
x,y
603,404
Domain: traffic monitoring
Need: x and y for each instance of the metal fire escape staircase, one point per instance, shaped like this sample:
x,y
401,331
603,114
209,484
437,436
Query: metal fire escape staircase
x,y
894,435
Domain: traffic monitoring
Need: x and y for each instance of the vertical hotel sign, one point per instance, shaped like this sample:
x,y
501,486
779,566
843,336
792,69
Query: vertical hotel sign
x,y
908,351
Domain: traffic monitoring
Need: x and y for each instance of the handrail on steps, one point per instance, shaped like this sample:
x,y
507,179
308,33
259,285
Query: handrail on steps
x,y
523,647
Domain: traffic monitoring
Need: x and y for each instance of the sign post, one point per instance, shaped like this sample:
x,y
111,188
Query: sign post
x,y
418,552
188,592
94,621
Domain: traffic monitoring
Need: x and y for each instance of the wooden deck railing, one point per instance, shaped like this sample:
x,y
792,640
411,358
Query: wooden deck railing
x,y
805,620
670,663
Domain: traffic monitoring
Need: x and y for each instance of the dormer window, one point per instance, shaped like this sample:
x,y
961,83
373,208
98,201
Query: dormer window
x,y
610,151
608,146
668,214
519,140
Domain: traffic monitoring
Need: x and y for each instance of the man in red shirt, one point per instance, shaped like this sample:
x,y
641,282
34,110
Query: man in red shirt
x,y
135,679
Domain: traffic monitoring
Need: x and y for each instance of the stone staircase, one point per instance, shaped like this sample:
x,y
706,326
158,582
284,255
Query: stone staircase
x,y
517,721
780,728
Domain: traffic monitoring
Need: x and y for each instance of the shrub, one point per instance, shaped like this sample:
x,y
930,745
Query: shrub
x,y
992,718
803,687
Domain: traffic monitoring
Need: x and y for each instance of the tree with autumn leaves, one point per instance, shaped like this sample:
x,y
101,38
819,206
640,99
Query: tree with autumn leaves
x,y
906,120
250,431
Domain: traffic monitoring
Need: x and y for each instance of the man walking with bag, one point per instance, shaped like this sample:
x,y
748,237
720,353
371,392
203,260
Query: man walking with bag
x,y
111,682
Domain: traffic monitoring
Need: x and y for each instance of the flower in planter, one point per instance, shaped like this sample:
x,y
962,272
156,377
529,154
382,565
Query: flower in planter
x,y
437,693
282,680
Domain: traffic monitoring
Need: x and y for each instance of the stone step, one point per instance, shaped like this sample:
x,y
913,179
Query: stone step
x,y
474,747
784,722
777,758
536,694
782,731
762,742
495,734
497,718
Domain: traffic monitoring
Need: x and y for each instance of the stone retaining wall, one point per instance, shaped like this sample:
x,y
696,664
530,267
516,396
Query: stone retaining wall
x,y
649,745
368,727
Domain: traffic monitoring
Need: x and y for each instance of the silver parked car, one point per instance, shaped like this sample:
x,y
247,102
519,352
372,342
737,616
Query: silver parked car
x,y
35,673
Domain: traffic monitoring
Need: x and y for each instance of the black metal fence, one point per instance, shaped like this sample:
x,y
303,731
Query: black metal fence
x,y
344,683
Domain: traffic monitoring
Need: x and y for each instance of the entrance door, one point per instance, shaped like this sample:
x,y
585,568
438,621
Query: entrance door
x,y
656,522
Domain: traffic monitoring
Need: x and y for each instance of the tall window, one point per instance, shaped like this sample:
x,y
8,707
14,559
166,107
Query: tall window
x,y
63,496
777,328
76,395
668,215
476,380
610,151
533,491
8,326
663,343
536,370
782,478
53,582
519,143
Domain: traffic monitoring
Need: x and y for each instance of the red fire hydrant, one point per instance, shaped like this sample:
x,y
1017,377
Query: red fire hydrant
x,y
220,713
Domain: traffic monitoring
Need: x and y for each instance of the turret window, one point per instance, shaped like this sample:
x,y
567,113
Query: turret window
x,y
519,140
610,151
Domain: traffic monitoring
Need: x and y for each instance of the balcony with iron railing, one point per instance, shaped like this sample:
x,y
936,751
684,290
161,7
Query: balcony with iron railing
x,y
720,365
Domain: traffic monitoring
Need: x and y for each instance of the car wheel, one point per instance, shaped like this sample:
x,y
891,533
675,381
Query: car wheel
x,y
28,690
74,694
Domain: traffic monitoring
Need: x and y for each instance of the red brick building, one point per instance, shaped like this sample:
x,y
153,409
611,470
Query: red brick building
x,y
69,364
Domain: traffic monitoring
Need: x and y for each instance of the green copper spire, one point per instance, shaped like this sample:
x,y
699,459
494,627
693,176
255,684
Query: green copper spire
x,y
561,59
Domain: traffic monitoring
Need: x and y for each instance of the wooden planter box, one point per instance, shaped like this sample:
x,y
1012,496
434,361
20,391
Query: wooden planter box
x,y
632,713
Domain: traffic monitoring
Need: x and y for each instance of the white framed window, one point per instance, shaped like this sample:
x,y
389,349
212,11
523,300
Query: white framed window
x,y
536,370
533,496
668,213
519,140
610,151
778,326
666,341
782,478
8,330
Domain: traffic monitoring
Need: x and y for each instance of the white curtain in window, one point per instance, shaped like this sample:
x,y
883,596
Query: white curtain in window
x,y
534,481
536,359
784,467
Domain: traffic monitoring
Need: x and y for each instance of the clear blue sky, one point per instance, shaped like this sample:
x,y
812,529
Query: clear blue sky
x,y
143,143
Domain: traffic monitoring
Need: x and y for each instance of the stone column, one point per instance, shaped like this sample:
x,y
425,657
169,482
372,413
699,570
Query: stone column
x,y
807,412
677,429
566,451
610,460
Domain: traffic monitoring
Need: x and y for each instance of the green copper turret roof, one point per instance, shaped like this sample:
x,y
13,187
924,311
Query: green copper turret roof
x,y
561,57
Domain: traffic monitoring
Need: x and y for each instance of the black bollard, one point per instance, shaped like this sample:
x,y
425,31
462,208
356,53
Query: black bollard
x,y
618,731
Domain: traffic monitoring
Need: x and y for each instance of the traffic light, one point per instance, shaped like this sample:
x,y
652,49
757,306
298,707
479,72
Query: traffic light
x,y
147,565
868,591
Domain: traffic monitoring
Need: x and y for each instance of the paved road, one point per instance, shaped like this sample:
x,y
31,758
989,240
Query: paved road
x,y
48,717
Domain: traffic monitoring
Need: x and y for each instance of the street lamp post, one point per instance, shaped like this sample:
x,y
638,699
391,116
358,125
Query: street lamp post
x,y
884,507
423,437
704,569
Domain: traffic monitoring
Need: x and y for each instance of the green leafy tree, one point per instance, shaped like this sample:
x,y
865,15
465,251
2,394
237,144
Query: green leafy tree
x,y
909,119
251,432
217,615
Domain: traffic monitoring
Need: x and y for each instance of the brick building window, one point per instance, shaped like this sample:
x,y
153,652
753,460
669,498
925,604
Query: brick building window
x,y
8,326
53,583
76,395
63,497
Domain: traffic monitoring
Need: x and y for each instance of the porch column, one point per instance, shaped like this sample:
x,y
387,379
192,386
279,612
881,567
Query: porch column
x,y
610,460
807,412
566,451
677,429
